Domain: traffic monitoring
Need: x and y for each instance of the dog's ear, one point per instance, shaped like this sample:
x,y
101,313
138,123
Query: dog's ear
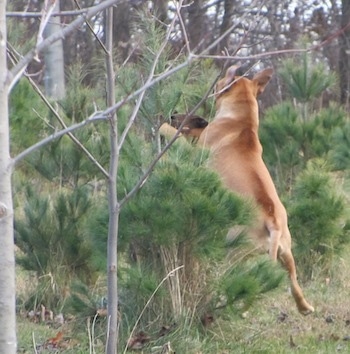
x,y
262,78
230,75
199,122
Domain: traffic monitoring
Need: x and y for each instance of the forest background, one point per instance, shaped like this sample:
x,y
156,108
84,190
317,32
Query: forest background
x,y
146,60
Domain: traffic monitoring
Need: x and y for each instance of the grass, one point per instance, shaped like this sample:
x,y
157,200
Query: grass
x,y
272,325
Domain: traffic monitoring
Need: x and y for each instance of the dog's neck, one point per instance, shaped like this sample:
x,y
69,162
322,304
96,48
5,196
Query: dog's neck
x,y
241,110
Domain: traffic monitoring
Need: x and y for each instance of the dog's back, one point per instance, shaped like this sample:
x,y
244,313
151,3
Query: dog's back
x,y
234,142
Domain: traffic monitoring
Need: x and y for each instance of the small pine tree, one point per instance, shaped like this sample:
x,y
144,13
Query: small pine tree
x,y
292,134
305,78
51,237
297,141
317,219
26,110
340,153
62,161
281,136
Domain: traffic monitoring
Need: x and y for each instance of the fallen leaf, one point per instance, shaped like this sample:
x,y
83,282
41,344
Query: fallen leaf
x,y
334,337
55,339
207,320
165,330
138,341
329,319
282,317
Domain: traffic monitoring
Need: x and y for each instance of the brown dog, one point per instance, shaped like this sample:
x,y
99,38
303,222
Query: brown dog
x,y
237,157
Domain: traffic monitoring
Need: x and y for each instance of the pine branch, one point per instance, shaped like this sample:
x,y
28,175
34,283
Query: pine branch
x,y
58,117
92,119
149,80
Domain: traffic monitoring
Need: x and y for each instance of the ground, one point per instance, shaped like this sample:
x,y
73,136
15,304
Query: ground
x,y
272,325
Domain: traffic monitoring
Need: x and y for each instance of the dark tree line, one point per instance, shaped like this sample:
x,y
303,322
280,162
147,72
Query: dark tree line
x,y
253,27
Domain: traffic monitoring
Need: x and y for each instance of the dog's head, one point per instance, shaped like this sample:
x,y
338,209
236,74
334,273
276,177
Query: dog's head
x,y
193,127
231,84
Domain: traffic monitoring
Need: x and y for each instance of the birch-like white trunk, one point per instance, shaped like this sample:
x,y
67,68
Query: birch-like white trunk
x,y
8,341
54,60
113,206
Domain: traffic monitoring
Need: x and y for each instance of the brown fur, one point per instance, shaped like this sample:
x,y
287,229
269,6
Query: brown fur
x,y
237,156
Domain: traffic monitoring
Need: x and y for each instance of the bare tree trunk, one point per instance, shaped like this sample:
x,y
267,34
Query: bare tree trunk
x,y
197,25
344,56
229,6
112,258
161,10
8,341
54,62
121,28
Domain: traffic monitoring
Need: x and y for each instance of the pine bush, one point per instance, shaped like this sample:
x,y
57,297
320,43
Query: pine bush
x,y
318,221
53,243
180,218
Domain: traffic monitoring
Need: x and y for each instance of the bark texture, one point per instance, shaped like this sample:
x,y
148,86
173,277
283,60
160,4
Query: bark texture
x,y
8,341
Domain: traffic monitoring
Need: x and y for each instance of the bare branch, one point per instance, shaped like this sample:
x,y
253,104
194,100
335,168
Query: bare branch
x,y
46,14
58,117
25,14
92,11
252,57
150,76
147,85
92,30
150,168
56,135
183,27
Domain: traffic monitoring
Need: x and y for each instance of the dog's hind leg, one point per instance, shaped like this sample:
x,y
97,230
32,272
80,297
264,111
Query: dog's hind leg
x,y
287,260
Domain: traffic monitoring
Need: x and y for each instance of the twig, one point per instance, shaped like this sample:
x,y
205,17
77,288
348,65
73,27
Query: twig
x,y
28,14
187,42
34,343
56,135
46,14
92,30
150,76
331,37
93,333
89,334
26,59
252,57
108,327
150,168
58,117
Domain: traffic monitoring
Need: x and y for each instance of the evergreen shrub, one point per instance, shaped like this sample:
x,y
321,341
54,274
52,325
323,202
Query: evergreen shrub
x,y
318,221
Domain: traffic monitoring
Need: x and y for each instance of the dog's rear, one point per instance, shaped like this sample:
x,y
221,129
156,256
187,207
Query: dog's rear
x,y
237,156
